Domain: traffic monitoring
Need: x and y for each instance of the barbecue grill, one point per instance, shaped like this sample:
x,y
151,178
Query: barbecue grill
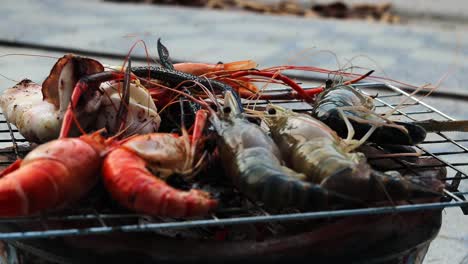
x,y
89,232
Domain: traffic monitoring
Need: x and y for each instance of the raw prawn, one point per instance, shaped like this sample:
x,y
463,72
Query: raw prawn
x,y
343,101
253,162
311,147
51,176
128,174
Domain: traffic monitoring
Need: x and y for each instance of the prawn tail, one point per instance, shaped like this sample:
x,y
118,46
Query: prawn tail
x,y
393,186
368,186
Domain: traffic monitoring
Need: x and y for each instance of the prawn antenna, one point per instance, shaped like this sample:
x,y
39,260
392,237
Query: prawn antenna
x,y
123,107
182,113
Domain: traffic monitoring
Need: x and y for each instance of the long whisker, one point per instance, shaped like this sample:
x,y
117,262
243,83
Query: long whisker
x,y
124,104
24,55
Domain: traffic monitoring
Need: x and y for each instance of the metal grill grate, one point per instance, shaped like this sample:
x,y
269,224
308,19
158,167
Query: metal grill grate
x,y
447,148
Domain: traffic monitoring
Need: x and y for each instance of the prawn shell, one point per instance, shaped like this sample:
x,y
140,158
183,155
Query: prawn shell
x,y
51,176
133,186
309,146
261,178
253,162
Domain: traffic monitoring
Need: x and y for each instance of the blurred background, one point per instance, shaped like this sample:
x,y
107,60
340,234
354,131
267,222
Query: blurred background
x,y
417,42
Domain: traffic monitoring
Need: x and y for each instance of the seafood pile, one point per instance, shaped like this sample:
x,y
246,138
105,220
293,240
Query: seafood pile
x,y
156,137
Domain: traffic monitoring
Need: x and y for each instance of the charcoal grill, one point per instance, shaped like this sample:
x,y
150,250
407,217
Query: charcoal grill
x,y
69,237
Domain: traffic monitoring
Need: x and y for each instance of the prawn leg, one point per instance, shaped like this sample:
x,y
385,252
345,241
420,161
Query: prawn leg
x,y
84,85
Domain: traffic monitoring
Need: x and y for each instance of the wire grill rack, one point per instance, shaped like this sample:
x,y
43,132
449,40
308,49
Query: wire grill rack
x,y
450,149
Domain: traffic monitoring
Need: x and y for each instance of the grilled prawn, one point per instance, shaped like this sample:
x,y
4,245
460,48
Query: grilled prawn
x,y
129,174
51,176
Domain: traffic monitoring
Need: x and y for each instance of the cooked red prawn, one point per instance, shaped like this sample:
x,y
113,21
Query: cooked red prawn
x,y
130,182
51,176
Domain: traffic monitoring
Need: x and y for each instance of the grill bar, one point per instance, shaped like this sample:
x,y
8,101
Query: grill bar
x,y
401,92
101,222
229,221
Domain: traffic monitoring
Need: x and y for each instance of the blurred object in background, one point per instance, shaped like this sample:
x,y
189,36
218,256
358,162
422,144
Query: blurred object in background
x,y
377,12
381,12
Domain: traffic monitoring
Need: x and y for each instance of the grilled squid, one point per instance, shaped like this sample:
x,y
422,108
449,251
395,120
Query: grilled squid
x,y
38,110
22,105
142,116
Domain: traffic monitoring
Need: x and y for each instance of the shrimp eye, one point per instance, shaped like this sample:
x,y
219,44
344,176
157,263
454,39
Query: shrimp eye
x,y
272,111
227,110
328,83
